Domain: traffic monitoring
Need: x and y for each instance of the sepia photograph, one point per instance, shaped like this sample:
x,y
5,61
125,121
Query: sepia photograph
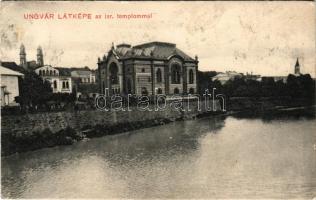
x,y
158,100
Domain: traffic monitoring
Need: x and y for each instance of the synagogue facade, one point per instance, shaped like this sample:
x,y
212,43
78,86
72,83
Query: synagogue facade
x,y
147,69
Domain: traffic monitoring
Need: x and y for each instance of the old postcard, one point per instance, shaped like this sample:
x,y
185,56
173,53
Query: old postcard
x,y
164,100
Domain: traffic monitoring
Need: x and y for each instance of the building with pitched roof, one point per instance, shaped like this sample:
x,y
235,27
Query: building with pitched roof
x,y
9,86
13,66
224,77
84,82
83,75
147,69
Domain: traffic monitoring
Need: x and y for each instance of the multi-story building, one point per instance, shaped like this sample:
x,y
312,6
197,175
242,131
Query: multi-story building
x,y
59,78
84,82
83,75
223,77
147,69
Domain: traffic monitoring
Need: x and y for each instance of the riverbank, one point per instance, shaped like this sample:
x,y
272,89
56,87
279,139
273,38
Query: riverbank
x,y
36,131
29,132
198,157
16,143
260,104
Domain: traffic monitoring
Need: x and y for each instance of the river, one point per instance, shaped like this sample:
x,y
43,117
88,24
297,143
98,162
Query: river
x,y
215,157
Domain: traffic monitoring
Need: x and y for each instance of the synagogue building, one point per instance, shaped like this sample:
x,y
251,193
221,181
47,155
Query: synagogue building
x,y
147,69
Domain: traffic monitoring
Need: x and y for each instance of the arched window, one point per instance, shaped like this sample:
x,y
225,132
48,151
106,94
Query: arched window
x,y
113,73
191,91
176,91
67,84
47,72
50,72
55,84
129,86
175,74
40,72
64,85
103,88
54,73
191,77
144,91
158,76
159,91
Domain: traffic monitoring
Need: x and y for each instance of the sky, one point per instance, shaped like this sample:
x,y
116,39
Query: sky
x,y
250,37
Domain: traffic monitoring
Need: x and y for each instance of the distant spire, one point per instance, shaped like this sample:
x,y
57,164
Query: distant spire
x,y
297,62
23,62
22,49
297,68
40,57
39,50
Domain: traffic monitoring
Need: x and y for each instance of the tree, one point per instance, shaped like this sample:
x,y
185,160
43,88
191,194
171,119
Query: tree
x,y
268,87
280,88
253,88
216,84
308,85
33,90
294,86
205,80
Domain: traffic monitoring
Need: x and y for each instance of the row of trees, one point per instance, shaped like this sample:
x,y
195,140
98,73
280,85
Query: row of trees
x,y
36,93
302,86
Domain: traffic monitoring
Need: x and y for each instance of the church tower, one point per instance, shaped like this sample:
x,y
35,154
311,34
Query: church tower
x,y
40,59
23,62
297,68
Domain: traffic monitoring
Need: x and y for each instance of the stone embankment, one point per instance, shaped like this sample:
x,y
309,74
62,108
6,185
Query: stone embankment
x,y
27,132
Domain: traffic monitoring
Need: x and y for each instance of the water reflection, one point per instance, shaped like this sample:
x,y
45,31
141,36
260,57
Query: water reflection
x,y
212,157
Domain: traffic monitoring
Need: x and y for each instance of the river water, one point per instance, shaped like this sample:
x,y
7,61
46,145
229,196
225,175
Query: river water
x,y
216,157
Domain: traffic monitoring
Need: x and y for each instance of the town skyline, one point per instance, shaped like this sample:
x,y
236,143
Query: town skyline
x,y
158,99
95,68
224,36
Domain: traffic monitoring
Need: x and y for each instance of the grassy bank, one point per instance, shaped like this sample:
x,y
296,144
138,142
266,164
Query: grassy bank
x,y
16,143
